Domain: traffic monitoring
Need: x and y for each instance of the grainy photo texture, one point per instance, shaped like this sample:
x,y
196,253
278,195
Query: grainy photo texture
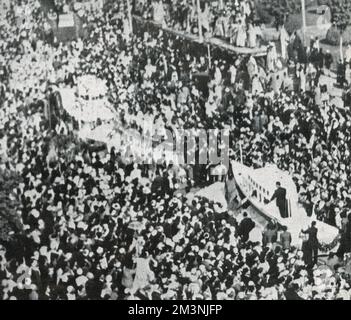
x,y
175,150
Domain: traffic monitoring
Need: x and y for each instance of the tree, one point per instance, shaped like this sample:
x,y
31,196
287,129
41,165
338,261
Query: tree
x,y
10,220
342,20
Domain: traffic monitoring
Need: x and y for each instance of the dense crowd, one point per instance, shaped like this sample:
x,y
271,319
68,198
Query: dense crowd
x,y
340,11
99,225
234,21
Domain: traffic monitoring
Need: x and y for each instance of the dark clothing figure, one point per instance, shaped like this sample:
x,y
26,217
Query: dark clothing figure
x,y
328,60
312,244
345,241
307,253
291,294
270,234
280,196
245,227
256,123
340,74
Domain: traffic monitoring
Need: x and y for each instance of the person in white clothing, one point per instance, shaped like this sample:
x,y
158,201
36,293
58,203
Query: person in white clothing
x,y
159,12
348,53
252,36
302,77
143,273
284,41
241,35
233,72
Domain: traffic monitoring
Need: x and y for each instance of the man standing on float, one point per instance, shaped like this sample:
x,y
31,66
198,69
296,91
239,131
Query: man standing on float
x,y
280,196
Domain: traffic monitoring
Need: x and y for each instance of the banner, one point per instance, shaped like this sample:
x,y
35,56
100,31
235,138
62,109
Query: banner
x,y
66,20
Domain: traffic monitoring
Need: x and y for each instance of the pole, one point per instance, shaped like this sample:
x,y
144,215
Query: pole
x,y
303,12
209,57
47,104
341,49
165,64
129,8
199,20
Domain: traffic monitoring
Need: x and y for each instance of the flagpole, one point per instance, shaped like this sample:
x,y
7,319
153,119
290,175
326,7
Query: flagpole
x,y
341,49
129,8
199,20
303,12
209,56
165,64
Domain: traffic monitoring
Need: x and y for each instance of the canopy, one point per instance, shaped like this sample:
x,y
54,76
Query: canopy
x,y
91,87
86,110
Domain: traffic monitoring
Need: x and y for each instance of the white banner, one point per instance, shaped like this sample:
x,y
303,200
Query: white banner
x,y
66,20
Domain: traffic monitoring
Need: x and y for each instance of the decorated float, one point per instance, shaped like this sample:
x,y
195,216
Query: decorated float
x,y
88,105
256,187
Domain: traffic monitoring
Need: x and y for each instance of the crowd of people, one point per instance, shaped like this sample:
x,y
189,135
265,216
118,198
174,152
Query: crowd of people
x,y
100,225
340,10
233,21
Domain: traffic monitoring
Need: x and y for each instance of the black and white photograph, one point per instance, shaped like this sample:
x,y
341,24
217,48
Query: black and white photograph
x,y
183,150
